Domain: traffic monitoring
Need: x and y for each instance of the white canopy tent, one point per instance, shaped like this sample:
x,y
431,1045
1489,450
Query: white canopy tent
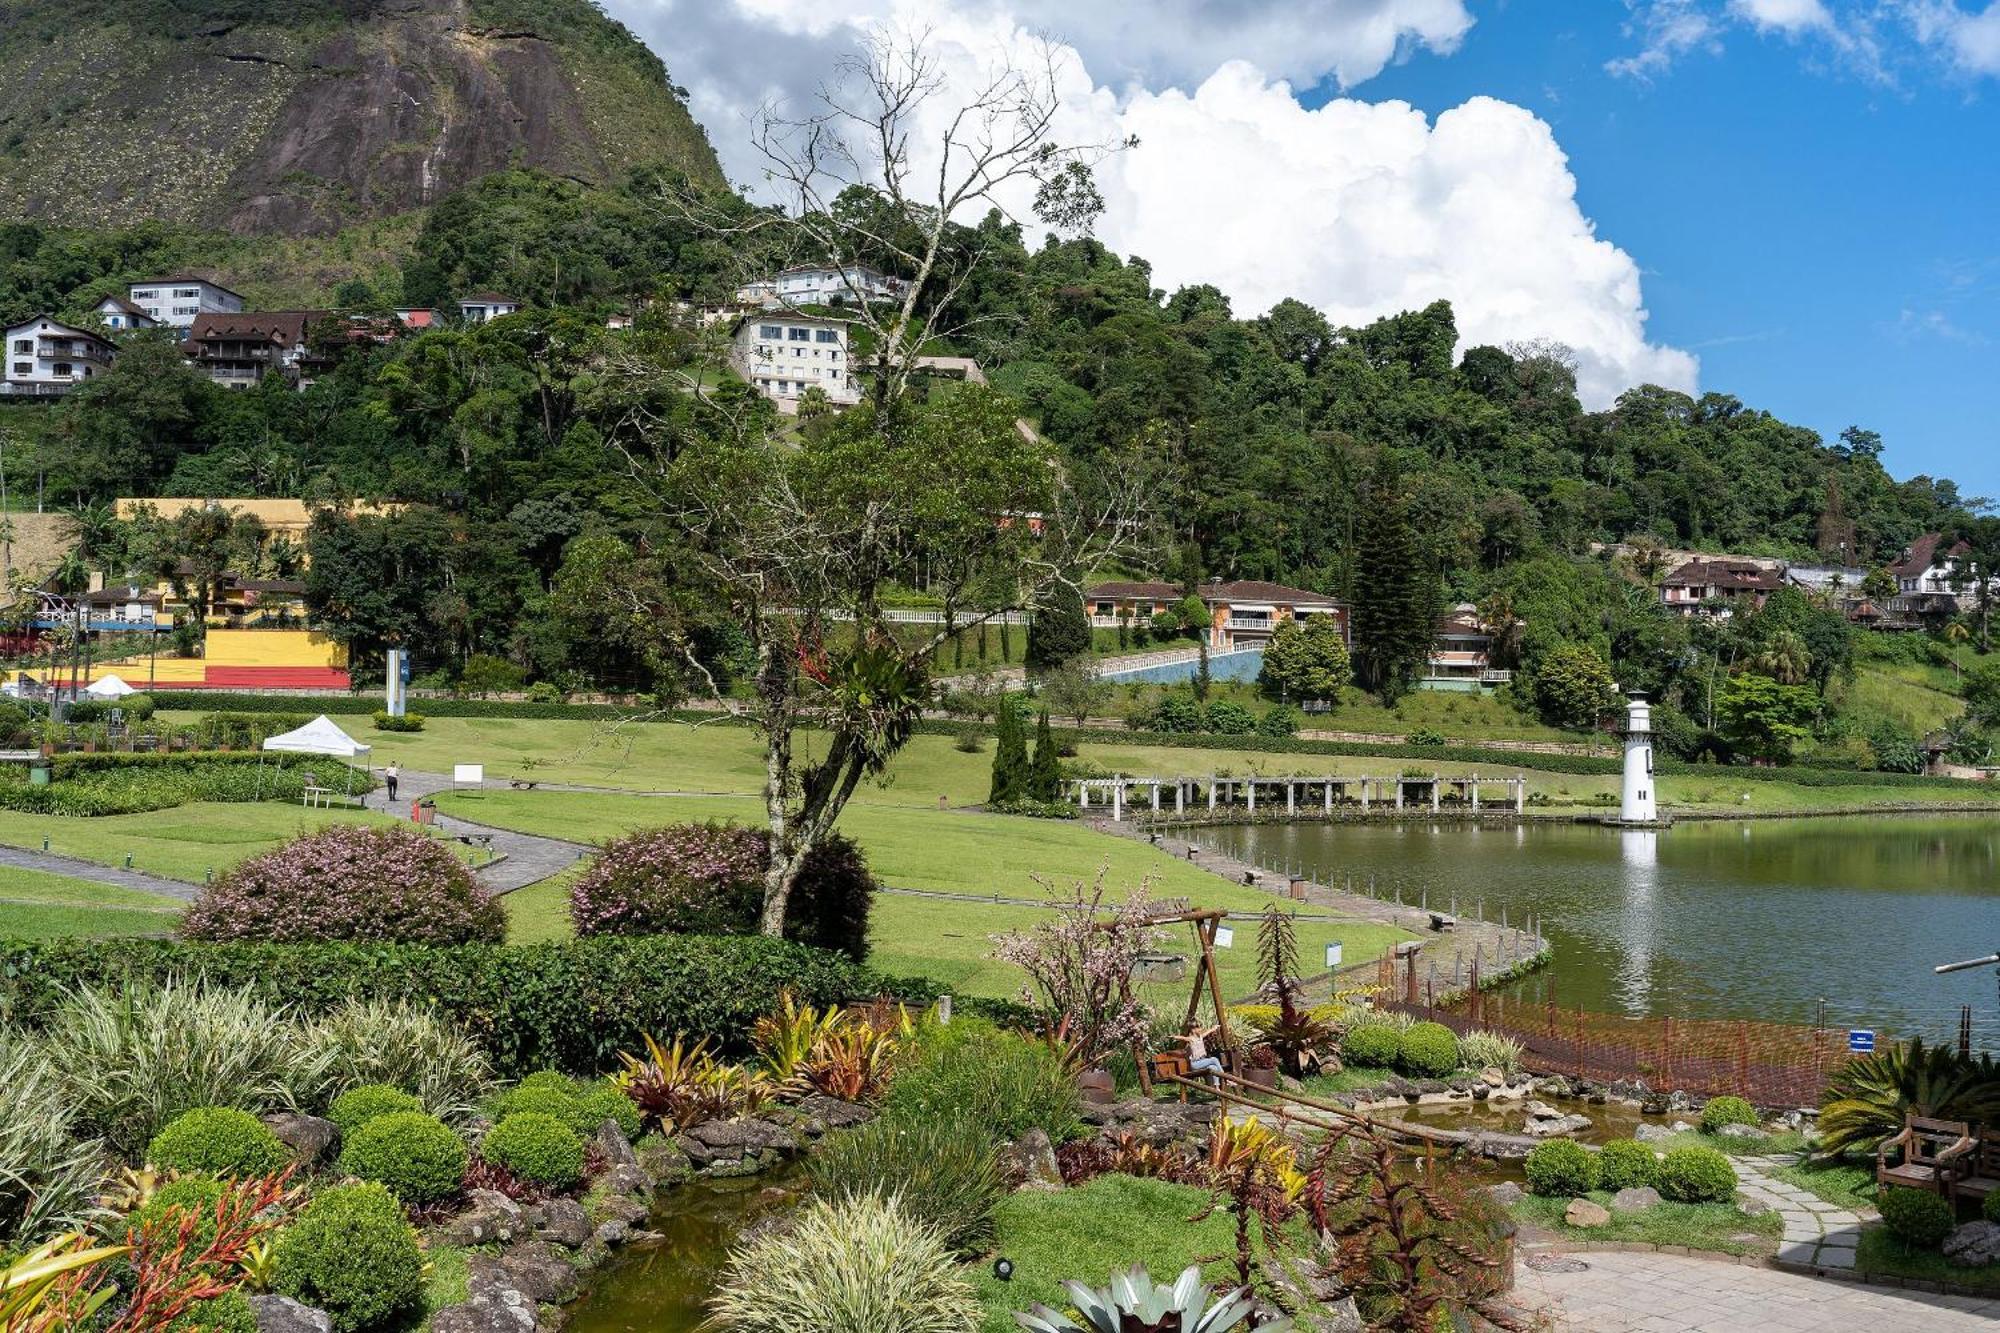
x,y
319,736
109,688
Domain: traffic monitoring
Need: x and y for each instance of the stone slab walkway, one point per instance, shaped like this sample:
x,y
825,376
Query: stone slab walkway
x,y
1619,1292
1818,1234
529,859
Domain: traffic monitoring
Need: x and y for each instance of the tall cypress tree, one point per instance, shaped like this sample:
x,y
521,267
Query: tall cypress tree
x,y
1395,592
1045,775
1010,758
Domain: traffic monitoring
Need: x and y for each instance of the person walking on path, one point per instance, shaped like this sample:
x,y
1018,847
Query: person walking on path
x,y
389,777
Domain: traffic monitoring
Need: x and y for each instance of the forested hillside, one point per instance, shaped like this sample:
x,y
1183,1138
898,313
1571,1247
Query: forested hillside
x,y
297,117
1371,462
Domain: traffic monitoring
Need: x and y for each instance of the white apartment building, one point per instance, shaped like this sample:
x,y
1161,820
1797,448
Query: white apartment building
x,y
178,302
482,306
824,284
46,356
782,356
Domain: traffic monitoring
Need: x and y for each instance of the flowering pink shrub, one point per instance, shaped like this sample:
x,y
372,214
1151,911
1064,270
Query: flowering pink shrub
x,y
708,879
348,882
699,879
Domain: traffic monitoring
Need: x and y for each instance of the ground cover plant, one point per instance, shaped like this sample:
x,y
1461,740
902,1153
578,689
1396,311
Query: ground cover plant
x,y
92,785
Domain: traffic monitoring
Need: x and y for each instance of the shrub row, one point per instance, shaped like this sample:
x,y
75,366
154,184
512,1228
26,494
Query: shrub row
x,y
365,705
121,784
571,1005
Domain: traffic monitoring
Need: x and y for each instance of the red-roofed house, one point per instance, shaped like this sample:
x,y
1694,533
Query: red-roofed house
x,y
1242,613
237,350
1700,580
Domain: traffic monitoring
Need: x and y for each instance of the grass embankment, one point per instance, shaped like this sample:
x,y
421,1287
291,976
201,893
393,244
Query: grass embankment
x,y
35,905
945,938
1718,1228
727,760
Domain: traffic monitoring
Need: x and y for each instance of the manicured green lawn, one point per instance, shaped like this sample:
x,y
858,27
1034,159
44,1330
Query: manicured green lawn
x,y
1719,1228
1881,1253
34,905
183,843
1089,1233
1848,1185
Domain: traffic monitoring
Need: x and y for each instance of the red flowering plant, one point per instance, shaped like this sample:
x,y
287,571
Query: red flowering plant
x,y
349,882
1080,961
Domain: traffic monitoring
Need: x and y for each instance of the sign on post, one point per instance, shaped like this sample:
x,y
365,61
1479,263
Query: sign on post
x,y
468,775
1333,955
1861,1040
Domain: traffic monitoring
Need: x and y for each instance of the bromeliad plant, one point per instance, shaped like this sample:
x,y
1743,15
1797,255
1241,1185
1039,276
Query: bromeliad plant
x,y
838,1053
1134,1303
681,1085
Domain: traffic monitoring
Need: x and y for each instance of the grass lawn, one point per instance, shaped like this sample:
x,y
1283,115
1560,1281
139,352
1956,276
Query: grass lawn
x,y
35,905
1849,1185
1881,1253
947,939
1089,1233
1353,1078
1719,1228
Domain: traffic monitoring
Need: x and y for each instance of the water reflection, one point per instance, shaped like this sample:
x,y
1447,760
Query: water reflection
x,y
1722,920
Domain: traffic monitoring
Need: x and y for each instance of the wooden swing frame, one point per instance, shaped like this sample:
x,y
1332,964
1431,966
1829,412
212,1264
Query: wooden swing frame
x,y
1204,923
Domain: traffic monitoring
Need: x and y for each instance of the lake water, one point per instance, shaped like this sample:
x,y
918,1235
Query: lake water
x,y
1750,919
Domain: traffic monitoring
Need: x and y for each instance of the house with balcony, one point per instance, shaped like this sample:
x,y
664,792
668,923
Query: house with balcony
x,y
179,302
823,284
121,316
1461,657
237,351
1242,613
1702,583
781,356
48,358
483,306
1930,586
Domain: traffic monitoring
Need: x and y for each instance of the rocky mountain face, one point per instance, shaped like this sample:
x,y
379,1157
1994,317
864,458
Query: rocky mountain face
x,y
302,116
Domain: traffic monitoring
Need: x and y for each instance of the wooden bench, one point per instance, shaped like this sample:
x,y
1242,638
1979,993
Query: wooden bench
x,y
1443,921
1983,1173
523,784
1935,1155
327,797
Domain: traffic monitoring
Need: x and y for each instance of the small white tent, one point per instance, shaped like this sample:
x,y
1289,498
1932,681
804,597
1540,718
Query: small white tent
x,y
319,736
109,688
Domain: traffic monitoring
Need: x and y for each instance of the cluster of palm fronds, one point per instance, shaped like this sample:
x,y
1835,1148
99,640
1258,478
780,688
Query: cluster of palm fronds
x,y
1867,1099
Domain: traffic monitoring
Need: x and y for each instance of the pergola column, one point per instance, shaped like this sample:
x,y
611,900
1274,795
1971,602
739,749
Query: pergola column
x,y
1329,796
1520,794
1117,800
1180,798
1156,798
1211,796
1291,797
1367,790
1437,790
1253,795
1472,790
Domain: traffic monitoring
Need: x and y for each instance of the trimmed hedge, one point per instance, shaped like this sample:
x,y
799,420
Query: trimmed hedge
x,y
352,1254
1427,1050
357,1106
217,1140
570,1005
1918,1218
1561,1169
1722,1111
1696,1175
1573,764
89,785
415,1155
1626,1164
536,1147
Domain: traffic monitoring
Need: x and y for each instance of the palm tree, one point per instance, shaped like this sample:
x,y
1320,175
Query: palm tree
x,y
98,535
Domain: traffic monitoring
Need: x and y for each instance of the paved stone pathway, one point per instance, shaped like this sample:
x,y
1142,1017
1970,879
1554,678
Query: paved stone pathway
x,y
53,864
1817,1233
1620,1292
529,859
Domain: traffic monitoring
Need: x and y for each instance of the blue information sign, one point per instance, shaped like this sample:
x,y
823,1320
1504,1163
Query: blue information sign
x,y
1861,1040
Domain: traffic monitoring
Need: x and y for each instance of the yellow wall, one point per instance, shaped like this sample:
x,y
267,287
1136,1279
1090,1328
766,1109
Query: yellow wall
x,y
273,648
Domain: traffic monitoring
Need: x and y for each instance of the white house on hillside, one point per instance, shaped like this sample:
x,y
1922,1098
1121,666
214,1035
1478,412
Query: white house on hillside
x,y
178,301
482,306
119,315
784,355
823,284
46,356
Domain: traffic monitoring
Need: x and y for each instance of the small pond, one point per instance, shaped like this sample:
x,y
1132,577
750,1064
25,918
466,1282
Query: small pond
x,y
1758,919
662,1288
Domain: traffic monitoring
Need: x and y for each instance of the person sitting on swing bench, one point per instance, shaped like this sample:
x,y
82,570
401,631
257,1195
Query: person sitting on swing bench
x,y
1199,1060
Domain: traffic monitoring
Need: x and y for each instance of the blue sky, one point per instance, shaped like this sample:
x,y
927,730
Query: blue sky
x,y
1827,242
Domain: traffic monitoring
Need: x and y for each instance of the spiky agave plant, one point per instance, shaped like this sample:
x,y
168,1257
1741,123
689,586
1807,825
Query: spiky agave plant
x,y
1867,1098
1134,1303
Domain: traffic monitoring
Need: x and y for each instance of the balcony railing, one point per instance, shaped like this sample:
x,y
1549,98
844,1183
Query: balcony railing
x,y
1251,623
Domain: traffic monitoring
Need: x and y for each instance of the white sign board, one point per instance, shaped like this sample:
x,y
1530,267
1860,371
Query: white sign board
x,y
1333,951
468,775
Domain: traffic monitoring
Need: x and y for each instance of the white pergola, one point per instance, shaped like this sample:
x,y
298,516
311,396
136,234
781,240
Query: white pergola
x,y
1301,794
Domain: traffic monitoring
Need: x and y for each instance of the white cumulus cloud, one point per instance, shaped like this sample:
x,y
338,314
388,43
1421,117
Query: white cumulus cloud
x,y
1787,16
1968,39
1362,209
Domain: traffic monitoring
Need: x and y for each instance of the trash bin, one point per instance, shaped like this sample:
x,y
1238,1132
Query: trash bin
x,y
38,775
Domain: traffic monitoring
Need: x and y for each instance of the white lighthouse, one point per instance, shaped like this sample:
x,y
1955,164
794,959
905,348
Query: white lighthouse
x,y
1638,805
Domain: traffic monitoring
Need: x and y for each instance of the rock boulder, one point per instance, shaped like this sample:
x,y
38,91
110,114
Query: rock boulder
x,y
1584,1213
311,1139
1973,1245
282,1314
1635,1199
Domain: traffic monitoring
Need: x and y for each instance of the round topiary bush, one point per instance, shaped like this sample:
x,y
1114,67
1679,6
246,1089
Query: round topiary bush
x,y
1918,1218
550,1078
607,1101
352,1254
536,1099
1696,1175
1561,1169
349,882
173,1203
1722,1111
708,879
1427,1050
228,1313
1626,1164
219,1140
357,1106
415,1155
1371,1045
536,1147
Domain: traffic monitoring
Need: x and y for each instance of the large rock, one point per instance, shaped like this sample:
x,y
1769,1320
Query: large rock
x,y
1973,1245
1634,1199
490,1216
1652,1133
311,1139
1032,1158
1584,1213
1739,1132
532,1268
721,1141
282,1314
564,1222
824,1114
1553,1124
1506,1193
506,1311
615,1147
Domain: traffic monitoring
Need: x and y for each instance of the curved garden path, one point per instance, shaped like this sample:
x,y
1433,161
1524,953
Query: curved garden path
x,y
51,863
529,858
1614,1291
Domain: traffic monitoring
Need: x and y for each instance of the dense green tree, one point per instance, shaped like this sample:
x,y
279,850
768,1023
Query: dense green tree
x,y
1574,687
1011,768
1045,769
1765,719
1395,597
1059,628
1307,660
